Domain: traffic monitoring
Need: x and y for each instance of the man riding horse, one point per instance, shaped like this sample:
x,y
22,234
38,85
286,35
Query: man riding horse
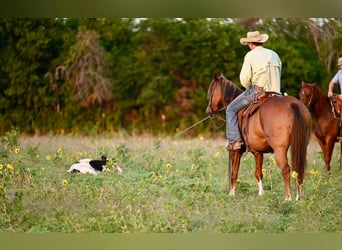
x,y
337,79
261,71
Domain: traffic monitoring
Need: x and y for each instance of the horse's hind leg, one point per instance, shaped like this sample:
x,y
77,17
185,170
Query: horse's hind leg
x,y
259,157
282,162
299,190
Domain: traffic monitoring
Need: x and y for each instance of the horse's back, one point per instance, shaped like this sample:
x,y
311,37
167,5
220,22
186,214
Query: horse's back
x,y
272,123
283,106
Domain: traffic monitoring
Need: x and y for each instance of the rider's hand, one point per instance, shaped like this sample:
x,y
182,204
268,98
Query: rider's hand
x,y
330,93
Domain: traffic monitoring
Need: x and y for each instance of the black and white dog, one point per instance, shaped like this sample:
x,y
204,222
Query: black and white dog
x,y
90,166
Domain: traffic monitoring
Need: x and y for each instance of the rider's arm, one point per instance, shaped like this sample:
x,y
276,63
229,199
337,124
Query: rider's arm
x,y
336,79
331,87
246,73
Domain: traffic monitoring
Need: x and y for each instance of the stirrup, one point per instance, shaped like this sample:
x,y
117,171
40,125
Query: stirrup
x,y
235,146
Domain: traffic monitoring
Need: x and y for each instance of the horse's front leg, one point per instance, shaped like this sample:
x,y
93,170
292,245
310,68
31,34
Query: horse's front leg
x,y
233,169
327,144
259,158
327,152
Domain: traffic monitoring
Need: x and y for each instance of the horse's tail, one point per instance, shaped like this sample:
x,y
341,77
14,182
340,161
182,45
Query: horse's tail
x,y
300,137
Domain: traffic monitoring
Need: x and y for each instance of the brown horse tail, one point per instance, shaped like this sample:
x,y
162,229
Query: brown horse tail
x,y
299,141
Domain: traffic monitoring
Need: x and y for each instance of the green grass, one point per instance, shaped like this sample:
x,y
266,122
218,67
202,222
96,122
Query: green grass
x,y
176,185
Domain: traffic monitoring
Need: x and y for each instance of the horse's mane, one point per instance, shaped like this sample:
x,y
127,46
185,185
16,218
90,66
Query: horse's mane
x,y
229,89
320,95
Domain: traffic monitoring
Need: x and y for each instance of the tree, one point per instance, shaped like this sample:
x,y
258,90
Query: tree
x,y
152,74
28,46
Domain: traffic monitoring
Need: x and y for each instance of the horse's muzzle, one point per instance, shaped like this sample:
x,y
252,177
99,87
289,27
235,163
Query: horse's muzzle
x,y
209,112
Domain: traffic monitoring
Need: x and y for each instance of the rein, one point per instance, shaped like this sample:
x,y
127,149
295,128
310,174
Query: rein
x,y
219,118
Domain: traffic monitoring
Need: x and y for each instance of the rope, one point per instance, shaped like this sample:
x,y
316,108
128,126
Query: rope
x,y
168,139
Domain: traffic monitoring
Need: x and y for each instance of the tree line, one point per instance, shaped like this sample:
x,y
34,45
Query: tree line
x,y
95,75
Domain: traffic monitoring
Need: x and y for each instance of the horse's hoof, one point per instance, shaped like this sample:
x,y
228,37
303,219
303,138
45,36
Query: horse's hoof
x,y
261,193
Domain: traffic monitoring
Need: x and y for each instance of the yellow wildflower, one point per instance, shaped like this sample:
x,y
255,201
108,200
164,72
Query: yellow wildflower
x,y
1,166
9,166
294,175
169,165
264,171
64,182
217,154
17,150
48,157
314,172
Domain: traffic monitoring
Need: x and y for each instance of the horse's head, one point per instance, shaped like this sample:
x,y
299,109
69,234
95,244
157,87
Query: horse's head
x,y
215,95
306,93
221,92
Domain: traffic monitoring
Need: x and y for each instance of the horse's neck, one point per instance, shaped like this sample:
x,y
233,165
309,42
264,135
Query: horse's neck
x,y
238,92
321,105
231,91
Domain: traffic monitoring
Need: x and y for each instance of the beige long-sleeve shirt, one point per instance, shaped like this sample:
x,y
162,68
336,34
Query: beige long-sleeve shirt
x,y
261,67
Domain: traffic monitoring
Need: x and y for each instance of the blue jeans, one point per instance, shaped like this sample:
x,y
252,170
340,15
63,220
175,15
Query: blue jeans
x,y
232,126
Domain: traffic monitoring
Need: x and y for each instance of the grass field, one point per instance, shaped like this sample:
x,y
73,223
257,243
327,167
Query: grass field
x,y
177,185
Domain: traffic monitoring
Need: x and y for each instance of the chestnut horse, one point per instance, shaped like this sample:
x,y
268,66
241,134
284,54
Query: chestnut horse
x,y
325,125
280,122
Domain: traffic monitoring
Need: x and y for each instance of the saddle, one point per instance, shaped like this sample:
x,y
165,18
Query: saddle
x,y
246,112
336,106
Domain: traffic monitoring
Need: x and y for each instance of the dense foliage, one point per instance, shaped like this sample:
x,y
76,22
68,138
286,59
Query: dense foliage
x,y
141,75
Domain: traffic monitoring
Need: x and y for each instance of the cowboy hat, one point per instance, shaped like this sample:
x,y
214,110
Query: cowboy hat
x,y
339,61
254,36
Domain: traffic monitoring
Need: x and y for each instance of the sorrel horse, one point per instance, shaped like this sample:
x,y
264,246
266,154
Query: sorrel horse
x,y
280,122
325,125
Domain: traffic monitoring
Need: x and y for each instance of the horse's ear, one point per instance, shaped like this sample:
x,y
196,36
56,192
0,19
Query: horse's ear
x,y
303,83
214,76
314,84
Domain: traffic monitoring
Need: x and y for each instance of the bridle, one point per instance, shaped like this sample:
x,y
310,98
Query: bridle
x,y
311,96
225,85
